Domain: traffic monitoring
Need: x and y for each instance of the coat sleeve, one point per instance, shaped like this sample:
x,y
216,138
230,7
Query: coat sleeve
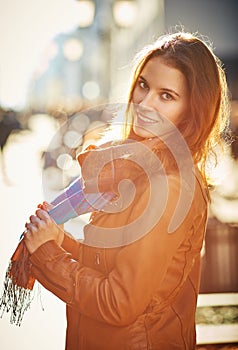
x,y
72,246
140,268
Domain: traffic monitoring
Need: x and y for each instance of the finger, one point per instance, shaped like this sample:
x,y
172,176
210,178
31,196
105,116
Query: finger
x,y
47,206
43,215
30,228
26,234
26,224
35,220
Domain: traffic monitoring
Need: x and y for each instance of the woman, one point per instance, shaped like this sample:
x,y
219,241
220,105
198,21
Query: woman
x,y
139,290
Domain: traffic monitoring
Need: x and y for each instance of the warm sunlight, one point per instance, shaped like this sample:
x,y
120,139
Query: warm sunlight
x,y
30,25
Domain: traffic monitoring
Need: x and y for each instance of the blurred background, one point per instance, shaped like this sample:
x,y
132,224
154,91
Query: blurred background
x,y
58,60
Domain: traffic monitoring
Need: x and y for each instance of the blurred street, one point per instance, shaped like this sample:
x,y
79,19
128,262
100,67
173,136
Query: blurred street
x,y
20,193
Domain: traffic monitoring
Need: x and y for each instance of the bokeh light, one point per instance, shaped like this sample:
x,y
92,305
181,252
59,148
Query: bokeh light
x,y
73,49
125,13
64,161
73,139
91,90
80,122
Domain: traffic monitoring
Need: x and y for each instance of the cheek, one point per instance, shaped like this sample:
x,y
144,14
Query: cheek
x,y
134,97
137,96
183,113
176,113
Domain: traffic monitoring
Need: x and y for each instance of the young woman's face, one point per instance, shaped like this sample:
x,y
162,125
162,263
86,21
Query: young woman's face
x,y
159,91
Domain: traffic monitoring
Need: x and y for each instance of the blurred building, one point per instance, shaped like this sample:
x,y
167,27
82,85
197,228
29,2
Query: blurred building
x,y
93,62
215,19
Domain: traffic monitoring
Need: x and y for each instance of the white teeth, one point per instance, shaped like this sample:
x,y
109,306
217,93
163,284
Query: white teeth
x,y
146,120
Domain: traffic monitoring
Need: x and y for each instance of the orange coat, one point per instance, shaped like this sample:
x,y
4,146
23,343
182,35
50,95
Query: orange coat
x,y
132,283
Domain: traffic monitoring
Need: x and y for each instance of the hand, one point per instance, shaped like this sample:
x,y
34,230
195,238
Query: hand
x,y
45,206
41,229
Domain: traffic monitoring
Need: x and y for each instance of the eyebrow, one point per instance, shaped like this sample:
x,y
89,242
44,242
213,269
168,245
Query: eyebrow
x,y
164,89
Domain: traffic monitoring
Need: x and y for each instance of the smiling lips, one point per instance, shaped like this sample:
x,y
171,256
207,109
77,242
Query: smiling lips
x,y
143,119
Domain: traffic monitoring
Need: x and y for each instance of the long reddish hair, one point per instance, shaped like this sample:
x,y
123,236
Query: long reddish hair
x,y
208,118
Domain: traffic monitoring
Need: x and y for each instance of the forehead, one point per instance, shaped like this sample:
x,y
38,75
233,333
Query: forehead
x,y
157,70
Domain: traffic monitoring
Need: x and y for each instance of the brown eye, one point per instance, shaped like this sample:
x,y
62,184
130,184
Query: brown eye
x,y
142,84
166,96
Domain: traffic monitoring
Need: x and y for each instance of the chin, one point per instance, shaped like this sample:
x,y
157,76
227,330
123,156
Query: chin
x,y
141,132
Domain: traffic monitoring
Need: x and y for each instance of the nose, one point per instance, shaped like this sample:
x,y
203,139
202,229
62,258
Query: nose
x,y
149,100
